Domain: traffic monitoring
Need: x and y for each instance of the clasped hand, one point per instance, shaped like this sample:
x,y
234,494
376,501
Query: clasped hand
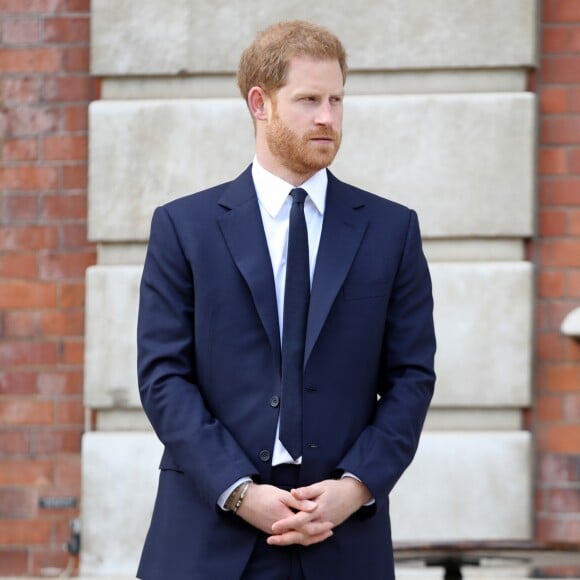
x,y
306,515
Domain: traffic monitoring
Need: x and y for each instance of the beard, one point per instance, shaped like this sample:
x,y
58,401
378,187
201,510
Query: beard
x,y
299,153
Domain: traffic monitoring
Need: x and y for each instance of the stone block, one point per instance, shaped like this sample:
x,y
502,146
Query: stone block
x,y
465,162
483,321
119,482
110,337
194,36
466,486
483,318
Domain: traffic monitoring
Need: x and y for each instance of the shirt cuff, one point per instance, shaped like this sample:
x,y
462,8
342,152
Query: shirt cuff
x,y
349,474
221,501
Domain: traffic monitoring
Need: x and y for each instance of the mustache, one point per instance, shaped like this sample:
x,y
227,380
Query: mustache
x,y
323,134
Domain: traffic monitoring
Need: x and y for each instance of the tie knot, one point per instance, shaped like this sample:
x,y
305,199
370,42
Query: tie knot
x,y
298,195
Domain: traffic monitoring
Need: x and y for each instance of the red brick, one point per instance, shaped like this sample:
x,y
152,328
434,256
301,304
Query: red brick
x,y
562,11
574,162
20,324
30,60
551,284
20,150
19,208
553,100
70,413
26,412
13,562
16,502
565,530
553,161
552,222
555,39
548,408
32,120
67,29
565,191
573,283
551,346
575,40
559,438
78,5
17,383
73,352
21,354
77,59
67,89
574,221
51,441
28,238
20,31
13,443
65,147
24,294
28,178
558,469
50,558
67,471
73,236
75,177
20,6
21,90
22,266
76,118
62,323
571,405
560,69
65,265
560,130
65,207
24,532
28,472
561,253
574,99
72,295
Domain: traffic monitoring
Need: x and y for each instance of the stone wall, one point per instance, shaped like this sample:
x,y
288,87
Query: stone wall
x,y
438,117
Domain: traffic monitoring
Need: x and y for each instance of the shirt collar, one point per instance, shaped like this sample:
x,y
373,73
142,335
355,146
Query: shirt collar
x,y
273,191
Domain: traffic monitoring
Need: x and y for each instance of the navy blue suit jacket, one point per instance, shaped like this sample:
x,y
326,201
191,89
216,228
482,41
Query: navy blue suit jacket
x,y
209,364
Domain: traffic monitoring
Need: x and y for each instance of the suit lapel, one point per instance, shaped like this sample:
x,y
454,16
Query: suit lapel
x,y
342,232
243,231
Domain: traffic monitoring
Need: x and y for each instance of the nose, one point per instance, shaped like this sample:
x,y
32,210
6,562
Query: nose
x,y
324,115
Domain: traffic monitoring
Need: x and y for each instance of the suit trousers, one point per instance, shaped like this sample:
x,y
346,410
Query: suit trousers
x,y
276,562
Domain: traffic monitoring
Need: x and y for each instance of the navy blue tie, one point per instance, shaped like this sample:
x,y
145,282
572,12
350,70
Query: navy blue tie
x,y
296,300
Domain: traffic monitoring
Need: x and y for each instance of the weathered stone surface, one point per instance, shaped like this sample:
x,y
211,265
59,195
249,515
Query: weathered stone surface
x,y
157,37
466,486
119,479
111,330
461,486
482,316
483,321
465,162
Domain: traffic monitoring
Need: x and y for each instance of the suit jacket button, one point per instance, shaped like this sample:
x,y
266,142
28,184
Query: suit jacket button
x,y
274,401
265,455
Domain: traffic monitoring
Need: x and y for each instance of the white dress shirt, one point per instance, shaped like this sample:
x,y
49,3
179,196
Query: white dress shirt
x,y
275,202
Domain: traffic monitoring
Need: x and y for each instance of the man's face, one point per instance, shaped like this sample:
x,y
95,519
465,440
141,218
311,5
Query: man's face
x,y
304,127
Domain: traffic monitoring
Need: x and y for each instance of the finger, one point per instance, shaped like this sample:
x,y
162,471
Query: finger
x,y
298,504
295,537
308,492
293,522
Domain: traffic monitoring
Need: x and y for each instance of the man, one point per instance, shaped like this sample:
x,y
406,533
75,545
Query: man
x,y
285,345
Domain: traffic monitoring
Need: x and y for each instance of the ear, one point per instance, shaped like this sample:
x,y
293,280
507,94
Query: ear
x,y
257,103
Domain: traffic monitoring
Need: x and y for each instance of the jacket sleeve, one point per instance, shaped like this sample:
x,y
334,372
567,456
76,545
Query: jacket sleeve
x,y
197,443
387,446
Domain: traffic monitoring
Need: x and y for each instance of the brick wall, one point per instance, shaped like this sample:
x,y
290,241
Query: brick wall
x,y
44,94
556,253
